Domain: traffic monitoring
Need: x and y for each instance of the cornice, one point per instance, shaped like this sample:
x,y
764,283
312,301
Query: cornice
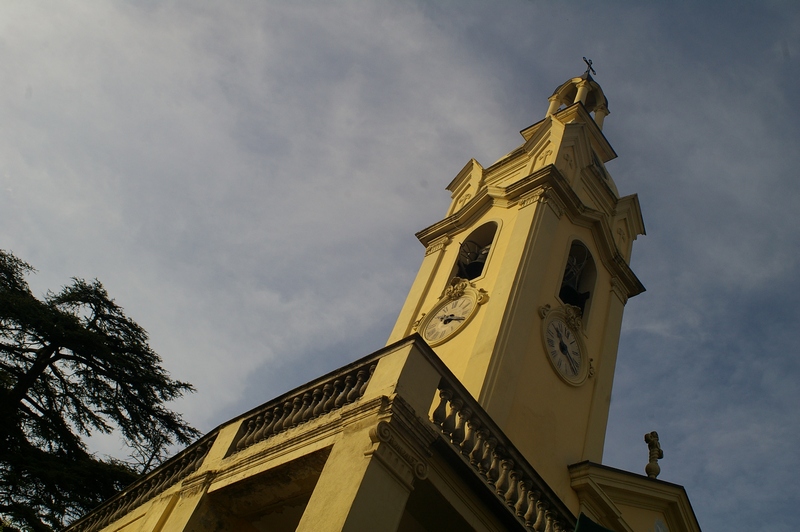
x,y
555,189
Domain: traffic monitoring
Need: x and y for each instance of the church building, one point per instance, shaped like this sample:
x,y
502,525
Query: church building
x,y
487,409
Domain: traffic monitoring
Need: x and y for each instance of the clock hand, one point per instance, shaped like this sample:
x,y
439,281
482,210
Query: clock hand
x,y
565,351
451,317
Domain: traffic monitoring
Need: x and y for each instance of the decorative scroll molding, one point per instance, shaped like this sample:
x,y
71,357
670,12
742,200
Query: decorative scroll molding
x,y
493,458
573,317
396,454
570,313
197,484
458,287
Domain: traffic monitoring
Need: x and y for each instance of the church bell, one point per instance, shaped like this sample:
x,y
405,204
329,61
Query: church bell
x,y
472,259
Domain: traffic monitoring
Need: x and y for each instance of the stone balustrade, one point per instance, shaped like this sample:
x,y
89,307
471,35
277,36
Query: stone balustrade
x,y
463,427
490,455
144,489
301,406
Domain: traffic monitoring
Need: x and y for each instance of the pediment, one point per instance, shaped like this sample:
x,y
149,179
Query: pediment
x,y
465,185
614,498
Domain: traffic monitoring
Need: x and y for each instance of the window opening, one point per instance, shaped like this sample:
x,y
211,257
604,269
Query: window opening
x,y
472,259
578,278
474,251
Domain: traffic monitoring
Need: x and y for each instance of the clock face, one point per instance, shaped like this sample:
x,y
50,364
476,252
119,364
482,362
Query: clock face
x,y
565,351
447,319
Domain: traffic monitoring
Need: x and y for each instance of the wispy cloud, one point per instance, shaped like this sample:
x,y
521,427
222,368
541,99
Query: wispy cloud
x,y
246,180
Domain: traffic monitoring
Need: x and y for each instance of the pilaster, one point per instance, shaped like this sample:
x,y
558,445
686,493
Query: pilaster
x,y
371,469
427,272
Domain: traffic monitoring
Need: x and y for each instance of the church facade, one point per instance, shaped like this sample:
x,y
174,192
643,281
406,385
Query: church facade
x,y
487,409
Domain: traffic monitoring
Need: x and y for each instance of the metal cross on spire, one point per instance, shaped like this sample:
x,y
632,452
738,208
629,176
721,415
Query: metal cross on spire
x,y
589,66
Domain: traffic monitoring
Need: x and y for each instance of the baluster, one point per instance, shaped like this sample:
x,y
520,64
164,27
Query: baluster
x,y
109,515
331,403
251,433
326,395
512,493
199,456
440,414
90,523
147,487
261,434
295,407
355,392
493,473
273,426
281,425
104,517
304,402
557,526
459,434
548,515
184,470
132,498
449,425
472,427
503,480
522,502
151,488
161,480
488,456
144,493
241,444
310,413
174,472
476,455
348,385
366,382
151,484
541,508
530,513
115,511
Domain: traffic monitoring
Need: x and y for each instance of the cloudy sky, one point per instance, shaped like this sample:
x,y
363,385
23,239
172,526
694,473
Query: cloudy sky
x,y
246,179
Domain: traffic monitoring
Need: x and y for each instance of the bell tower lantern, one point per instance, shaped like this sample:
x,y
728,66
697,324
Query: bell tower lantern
x,y
523,284
582,89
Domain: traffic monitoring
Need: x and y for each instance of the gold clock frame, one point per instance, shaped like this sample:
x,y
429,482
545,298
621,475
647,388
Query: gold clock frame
x,y
571,317
457,289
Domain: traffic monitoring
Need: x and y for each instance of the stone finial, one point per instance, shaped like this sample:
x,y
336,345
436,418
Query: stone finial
x,y
652,468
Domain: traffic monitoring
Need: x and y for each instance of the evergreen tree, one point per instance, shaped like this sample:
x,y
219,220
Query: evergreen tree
x,y
72,363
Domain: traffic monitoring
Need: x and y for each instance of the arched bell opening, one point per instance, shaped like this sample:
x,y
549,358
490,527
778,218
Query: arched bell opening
x,y
474,251
581,89
580,274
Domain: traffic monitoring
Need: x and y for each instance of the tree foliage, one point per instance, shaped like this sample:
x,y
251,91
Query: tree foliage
x,y
72,364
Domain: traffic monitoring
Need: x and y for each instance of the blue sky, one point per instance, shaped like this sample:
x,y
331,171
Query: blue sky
x,y
246,179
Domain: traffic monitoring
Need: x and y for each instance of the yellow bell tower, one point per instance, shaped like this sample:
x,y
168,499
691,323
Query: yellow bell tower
x,y
523,284
519,298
